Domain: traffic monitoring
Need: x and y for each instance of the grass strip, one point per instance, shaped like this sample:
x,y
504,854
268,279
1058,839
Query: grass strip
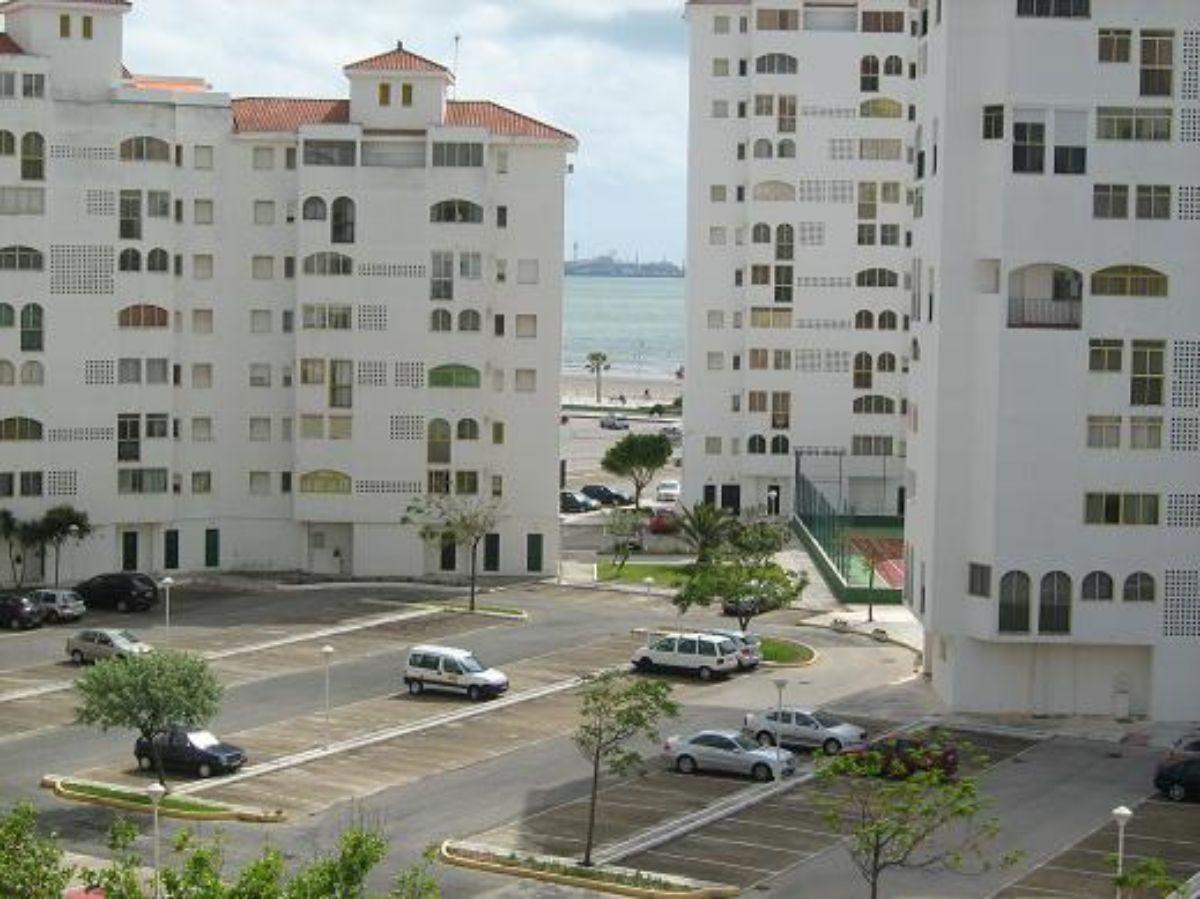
x,y
637,879
137,797
785,652
637,572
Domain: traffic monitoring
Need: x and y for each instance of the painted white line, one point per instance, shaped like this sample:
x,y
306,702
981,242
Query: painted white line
x,y
739,821
707,861
722,841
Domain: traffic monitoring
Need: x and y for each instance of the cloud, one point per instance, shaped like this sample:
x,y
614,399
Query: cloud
x,y
613,72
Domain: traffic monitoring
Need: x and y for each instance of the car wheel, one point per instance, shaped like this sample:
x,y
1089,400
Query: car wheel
x,y
1176,793
643,664
122,605
145,762
474,693
705,673
831,746
765,738
761,772
204,770
415,687
77,657
685,764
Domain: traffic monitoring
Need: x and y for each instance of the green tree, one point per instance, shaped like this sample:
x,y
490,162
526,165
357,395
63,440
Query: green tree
x,y
463,521
63,523
615,710
706,528
758,542
638,457
744,588
597,364
31,865
150,693
624,527
926,820
1150,876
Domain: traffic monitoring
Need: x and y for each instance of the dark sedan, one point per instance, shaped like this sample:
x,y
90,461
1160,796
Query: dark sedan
x,y
125,591
1178,779
196,752
19,612
569,502
605,496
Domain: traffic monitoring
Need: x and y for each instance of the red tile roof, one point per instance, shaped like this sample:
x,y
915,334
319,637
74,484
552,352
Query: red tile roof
x,y
9,3
500,120
9,47
278,114
398,60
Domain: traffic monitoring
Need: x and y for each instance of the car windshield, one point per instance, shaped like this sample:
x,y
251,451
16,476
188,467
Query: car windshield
x,y
471,665
72,596
728,647
202,739
125,637
826,720
745,743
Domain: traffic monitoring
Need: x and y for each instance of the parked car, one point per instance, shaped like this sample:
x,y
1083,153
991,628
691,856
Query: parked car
x,y
1187,747
667,492
614,423
802,727
664,522
109,643
902,757
605,496
196,751
455,670
749,647
703,655
732,607
729,751
673,433
19,612
1178,779
125,591
59,605
576,502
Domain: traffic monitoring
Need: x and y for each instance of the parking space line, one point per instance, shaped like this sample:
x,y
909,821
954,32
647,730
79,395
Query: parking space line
x,y
807,830
707,861
724,841
1048,892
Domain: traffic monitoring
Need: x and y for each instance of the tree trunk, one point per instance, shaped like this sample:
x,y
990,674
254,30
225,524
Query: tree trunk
x,y
743,621
591,825
474,556
871,592
156,752
56,555
598,376
637,496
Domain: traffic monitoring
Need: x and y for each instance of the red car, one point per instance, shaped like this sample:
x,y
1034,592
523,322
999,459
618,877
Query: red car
x,y
663,523
902,757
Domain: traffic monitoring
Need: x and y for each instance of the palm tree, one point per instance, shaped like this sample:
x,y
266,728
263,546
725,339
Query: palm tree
x,y
597,364
706,528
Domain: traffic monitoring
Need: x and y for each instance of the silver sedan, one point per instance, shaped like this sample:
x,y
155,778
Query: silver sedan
x,y
728,751
801,727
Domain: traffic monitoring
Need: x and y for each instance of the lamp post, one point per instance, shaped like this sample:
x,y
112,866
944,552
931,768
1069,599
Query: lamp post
x,y
167,583
1121,815
649,582
780,686
156,792
327,652
73,530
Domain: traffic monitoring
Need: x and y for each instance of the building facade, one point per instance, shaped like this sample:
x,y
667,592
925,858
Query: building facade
x,y
1052,483
248,333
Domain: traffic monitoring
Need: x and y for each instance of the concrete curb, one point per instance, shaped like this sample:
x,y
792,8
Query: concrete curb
x,y
519,615
862,633
56,785
381,585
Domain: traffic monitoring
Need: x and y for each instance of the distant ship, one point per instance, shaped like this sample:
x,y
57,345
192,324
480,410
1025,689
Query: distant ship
x,y
611,267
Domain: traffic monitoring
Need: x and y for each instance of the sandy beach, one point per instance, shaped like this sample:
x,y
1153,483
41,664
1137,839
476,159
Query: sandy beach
x,y
581,389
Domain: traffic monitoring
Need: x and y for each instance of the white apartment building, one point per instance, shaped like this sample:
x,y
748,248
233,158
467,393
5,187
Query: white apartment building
x,y
1052,491
798,231
247,333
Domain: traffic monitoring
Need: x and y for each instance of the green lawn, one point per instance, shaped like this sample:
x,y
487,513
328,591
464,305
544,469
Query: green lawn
x,y
785,651
139,797
637,572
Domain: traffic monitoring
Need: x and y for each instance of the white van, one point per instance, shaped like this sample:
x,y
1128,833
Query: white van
x,y
447,668
704,655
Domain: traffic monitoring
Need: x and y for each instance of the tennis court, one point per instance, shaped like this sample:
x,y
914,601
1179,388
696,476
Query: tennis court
x,y
884,547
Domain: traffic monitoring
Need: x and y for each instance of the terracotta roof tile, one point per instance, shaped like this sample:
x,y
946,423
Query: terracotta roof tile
x,y
280,114
8,46
398,60
500,120
9,3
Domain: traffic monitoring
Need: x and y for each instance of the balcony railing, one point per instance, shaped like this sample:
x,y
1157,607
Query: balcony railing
x,y
781,421
1039,313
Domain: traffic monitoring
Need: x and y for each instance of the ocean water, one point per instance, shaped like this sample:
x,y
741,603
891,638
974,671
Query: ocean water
x,y
638,322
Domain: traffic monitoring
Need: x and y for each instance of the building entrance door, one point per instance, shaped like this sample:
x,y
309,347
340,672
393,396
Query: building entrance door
x,y
129,551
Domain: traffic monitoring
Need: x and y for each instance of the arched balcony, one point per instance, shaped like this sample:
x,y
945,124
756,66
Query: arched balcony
x,y
1045,295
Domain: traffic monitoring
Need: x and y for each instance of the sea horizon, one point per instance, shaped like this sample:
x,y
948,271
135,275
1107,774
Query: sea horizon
x,y
637,322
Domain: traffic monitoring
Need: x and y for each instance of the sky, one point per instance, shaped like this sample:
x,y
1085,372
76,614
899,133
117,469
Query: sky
x,y
612,72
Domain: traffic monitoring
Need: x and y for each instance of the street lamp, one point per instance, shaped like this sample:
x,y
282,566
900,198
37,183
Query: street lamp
x,y
1121,815
649,582
327,652
73,530
156,792
780,686
167,583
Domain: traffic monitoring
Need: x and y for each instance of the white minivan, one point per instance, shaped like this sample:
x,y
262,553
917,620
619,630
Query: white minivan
x,y
447,668
704,655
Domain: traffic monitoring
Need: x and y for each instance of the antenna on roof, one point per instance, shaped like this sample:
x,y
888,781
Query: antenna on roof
x,y
454,70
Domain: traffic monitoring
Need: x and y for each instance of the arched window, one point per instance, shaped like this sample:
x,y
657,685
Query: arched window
x,y
468,429
20,429
145,149
1014,603
469,320
20,259
8,316
787,149
441,320
1054,605
888,320
313,210
33,157
873,404
33,336
143,315
456,376
8,373
880,108
325,482
863,371
864,320
438,451
341,229
776,64
756,445
868,71
779,445
886,362
8,143
774,191
893,65
130,260
32,374
1096,587
1139,587
916,350
763,149
456,212
877,277
785,242
761,233
158,260
1129,281
328,264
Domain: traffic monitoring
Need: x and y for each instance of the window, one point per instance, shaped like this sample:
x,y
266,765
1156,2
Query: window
x,y
720,109
260,429
1121,508
312,427
384,94
879,148
777,20
979,579
893,65
1110,201
454,376
313,210
870,445
868,69
260,374
142,315
141,480
863,371
1139,587
33,332
470,266
1158,52
145,149
1115,44
33,86
469,320
330,152
326,482
341,228
441,272
202,430
157,260
1105,355
264,212
720,66
32,374
1104,431
129,223
202,212
341,427
202,321
202,157
328,264
880,108
64,25
779,445
441,321
776,64
1070,160
525,380
202,375
1145,432
526,326
33,157
891,22
341,383
756,445
202,266
31,483
1154,201
877,277
406,95
1097,587
874,405
1029,147
1129,123
1054,605
457,155
1060,9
